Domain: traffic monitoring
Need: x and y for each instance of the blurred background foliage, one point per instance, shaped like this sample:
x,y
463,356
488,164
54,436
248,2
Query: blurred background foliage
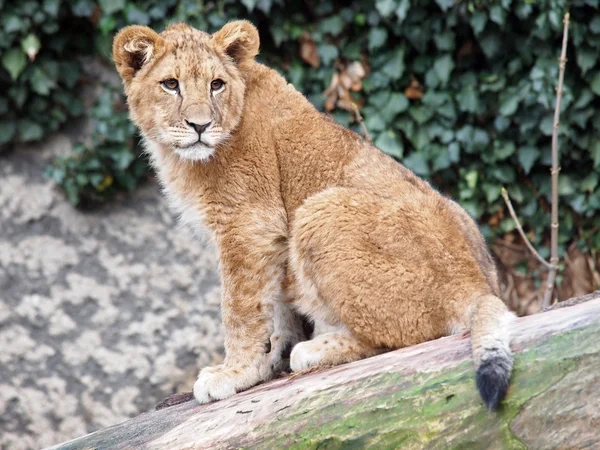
x,y
461,92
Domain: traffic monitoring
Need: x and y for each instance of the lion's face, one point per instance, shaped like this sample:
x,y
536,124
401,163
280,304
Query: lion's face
x,y
185,88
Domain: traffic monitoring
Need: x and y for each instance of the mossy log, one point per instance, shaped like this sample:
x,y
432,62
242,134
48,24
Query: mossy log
x,y
418,397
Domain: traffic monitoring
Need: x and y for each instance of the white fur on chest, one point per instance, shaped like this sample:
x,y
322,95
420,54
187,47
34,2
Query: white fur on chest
x,y
189,214
186,205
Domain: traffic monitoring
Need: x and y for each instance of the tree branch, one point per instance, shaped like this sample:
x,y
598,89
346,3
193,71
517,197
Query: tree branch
x,y
521,232
555,169
359,118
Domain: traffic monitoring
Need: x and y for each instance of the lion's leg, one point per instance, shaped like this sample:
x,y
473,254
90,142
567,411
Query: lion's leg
x,y
389,272
330,349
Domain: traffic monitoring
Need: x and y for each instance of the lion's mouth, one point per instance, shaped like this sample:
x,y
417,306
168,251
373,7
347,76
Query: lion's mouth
x,y
198,151
198,143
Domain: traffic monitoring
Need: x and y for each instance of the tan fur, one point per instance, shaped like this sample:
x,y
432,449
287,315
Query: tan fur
x,y
303,213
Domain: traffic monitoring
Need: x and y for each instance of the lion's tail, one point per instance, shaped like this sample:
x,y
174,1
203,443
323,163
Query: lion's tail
x,y
490,338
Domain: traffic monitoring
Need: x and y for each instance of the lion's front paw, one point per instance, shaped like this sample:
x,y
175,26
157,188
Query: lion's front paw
x,y
220,382
306,355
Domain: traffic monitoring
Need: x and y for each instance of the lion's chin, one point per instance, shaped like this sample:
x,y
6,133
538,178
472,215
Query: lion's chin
x,y
196,152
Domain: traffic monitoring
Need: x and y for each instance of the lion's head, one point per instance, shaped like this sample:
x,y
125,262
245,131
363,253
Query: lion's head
x,y
185,88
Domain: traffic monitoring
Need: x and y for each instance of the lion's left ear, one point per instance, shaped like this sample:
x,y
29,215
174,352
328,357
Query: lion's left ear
x,y
239,40
133,47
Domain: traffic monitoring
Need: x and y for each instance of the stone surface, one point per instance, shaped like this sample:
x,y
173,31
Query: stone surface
x,y
102,314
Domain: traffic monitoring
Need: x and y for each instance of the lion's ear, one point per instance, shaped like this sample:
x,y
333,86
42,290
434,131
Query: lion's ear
x,y
239,40
133,47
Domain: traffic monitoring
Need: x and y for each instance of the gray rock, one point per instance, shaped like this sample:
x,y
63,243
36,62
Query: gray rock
x,y
102,314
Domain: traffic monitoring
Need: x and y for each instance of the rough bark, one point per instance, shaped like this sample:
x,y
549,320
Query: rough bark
x,y
418,397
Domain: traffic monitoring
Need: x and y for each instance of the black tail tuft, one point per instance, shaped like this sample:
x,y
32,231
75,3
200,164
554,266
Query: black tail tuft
x,y
493,376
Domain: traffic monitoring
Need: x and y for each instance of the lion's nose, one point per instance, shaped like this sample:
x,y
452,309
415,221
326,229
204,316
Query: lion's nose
x,y
199,128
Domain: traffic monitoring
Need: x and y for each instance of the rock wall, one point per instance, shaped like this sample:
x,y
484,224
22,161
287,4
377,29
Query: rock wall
x,y
102,314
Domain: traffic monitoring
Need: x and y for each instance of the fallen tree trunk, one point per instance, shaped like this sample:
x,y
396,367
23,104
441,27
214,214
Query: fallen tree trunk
x,y
418,397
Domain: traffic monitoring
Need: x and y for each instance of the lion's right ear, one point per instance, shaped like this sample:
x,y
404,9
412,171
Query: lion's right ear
x,y
133,47
238,39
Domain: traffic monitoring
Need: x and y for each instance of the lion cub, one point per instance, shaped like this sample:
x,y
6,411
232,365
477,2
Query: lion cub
x,y
306,216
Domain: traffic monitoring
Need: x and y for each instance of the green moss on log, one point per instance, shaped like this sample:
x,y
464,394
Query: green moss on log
x,y
430,410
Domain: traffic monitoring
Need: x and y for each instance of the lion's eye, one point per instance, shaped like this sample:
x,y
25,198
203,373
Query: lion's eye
x,y
171,84
217,84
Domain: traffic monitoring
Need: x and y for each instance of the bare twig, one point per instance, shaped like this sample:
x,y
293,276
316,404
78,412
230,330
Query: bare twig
x,y
555,169
361,122
521,232
552,266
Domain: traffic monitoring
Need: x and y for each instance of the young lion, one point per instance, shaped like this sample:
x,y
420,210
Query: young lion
x,y
306,216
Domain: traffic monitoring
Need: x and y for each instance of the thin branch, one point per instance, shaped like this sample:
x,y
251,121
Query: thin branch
x,y
555,169
521,232
361,122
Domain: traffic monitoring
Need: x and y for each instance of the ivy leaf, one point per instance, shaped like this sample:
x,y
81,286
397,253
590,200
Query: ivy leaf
x,y
31,46
480,139
385,7
527,156
468,99
586,59
498,15
377,37
509,102
566,186
547,125
394,68
390,143
585,97
249,4
501,123
83,8
374,122
12,23
595,24
332,25
51,7
478,21
328,53
402,10
14,61
264,5
503,150
445,41
491,43
595,83
122,158
396,104
471,178
421,113
454,152
504,173
29,130
136,15
7,131
41,82
443,68
595,151
111,6
442,161
445,5
589,183
492,192
417,163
